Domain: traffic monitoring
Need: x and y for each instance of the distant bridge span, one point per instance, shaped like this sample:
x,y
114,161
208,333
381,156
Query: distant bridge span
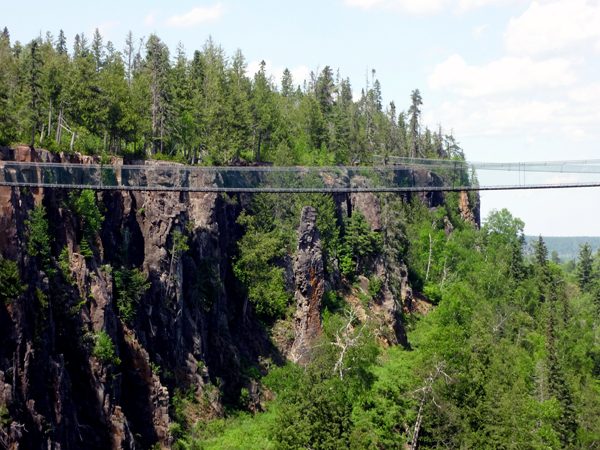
x,y
399,175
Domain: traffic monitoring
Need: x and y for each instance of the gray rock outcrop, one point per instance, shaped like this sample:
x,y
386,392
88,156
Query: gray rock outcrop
x,y
309,275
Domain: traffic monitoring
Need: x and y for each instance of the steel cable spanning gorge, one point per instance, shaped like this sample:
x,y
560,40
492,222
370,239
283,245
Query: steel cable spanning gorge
x,y
393,174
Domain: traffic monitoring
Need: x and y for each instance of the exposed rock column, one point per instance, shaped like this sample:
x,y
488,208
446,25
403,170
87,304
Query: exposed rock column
x,y
309,275
465,211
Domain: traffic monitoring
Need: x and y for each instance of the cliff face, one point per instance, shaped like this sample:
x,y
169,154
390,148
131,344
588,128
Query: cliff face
x,y
193,328
189,322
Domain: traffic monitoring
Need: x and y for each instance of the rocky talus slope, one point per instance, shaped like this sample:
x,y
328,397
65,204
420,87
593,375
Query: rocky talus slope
x,y
193,326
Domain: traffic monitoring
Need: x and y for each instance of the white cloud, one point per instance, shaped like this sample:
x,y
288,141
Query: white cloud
x,y
558,27
586,94
196,16
402,6
478,31
518,117
507,75
149,20
105,27
299,73
425,6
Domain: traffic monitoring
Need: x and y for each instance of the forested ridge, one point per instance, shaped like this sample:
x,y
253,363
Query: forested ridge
x,y
193,297
147,100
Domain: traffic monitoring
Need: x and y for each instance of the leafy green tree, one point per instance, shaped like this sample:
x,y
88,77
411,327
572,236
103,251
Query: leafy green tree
x,y
84,206
255,268
359,242
555,258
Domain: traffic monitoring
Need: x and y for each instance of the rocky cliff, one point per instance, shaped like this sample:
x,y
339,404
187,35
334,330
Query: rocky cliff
x,y
193,332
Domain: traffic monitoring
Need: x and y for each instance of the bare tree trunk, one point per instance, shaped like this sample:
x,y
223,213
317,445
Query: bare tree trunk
x,y
50,119
72,141
415,438
431,242
162,142
42,134
258,150
58,128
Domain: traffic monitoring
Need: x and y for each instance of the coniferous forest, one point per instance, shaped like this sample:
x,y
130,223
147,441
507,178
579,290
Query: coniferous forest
x,y
493,348
150,101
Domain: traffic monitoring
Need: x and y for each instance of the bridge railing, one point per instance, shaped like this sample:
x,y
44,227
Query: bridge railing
x,y
194,178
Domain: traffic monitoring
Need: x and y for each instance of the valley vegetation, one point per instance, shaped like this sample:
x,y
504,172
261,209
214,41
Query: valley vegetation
x,y
503,351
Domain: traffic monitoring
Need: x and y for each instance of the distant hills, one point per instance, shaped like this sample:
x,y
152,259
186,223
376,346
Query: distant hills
x,y
567,247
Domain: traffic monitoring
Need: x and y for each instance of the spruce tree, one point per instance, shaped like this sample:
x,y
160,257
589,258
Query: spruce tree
x,y
287,83
415,115
61,44
584,269
34,89
6,35
98,50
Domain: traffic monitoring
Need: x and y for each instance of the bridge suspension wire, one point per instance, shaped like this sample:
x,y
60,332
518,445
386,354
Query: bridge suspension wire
x,y
401,175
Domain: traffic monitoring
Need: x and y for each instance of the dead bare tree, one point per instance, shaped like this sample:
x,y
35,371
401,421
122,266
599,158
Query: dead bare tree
x,y
345,340
426,392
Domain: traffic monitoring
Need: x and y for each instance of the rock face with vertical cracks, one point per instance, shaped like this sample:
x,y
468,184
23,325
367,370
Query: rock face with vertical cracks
x,y
309,275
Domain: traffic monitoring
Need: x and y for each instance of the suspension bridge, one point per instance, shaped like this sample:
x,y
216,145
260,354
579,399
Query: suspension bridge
x,y
392,174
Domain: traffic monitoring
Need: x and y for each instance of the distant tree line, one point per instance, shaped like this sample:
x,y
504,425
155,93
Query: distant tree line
x,y
150,102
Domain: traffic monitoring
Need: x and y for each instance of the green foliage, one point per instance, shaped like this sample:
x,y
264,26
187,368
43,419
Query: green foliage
x,y
359,242
180,243
84,206
509,354
375,285
130,286
64,263
584,269
254,267
104,349
39,242
85,249
10,282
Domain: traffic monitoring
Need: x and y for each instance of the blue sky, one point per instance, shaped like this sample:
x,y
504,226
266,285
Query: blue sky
x,y
515,80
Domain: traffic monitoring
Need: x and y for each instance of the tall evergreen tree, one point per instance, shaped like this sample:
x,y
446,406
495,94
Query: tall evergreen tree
x,y
584,268
98,50
33,74
415,115
61,43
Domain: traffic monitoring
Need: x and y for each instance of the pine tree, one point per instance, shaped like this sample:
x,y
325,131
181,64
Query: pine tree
x,y
558,387
584,269
287,83
415,115
158,68
98,50
34,89
61,44
6,35
76,46
129,53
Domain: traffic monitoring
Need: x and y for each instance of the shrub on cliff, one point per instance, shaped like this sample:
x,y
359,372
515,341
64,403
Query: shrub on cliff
x,y
39,238
130,284
254,267
85,208
10,283
104,349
